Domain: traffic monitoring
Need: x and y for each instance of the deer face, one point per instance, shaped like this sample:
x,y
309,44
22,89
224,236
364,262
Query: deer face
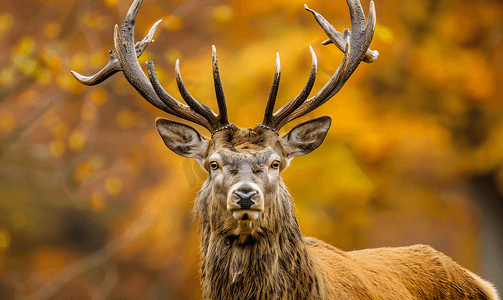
x,y
244,168
243,178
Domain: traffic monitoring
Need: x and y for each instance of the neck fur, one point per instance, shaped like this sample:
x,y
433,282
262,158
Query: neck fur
x,y
275,263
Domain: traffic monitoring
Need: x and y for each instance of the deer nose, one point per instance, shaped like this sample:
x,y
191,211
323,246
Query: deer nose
x,y
246,199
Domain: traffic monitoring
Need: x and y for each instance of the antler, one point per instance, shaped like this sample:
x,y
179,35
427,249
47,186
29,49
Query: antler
x,y
125,58
355,45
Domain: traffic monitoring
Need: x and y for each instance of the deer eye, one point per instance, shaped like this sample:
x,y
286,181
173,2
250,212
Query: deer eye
x,y
275,164
214,165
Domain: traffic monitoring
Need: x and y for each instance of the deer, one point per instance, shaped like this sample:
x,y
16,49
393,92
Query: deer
x,y
251,242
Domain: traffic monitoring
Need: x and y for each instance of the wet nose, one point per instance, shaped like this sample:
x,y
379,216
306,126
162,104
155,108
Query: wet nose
x,y
246,199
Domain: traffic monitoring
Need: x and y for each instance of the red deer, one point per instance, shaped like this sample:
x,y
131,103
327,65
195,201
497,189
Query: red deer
x,y
252,246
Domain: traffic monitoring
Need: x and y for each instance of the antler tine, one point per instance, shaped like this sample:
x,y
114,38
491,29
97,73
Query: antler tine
x,y
113,65
219,91
197,106
271,100
283,112
339,39
124,46
370,55
110,69
357,42
177,108
124,58
134,74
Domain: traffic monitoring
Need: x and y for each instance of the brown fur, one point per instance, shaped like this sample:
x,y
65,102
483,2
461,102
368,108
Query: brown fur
x,y
276,261
415,272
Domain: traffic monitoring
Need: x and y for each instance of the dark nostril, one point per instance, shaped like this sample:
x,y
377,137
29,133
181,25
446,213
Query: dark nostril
x,y
245,199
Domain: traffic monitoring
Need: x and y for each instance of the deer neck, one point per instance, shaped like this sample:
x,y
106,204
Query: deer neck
x,y
277,263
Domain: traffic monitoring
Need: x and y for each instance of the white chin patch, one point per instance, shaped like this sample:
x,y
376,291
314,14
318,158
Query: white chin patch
x,y
245,215
245,218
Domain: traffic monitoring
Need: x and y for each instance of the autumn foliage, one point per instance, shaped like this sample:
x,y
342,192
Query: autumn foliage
x,y
93,203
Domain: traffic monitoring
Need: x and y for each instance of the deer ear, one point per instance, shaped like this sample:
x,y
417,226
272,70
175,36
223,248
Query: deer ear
x,y
182,139
305,137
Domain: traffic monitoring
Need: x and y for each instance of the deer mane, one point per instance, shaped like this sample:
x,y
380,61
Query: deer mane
x,y
277,263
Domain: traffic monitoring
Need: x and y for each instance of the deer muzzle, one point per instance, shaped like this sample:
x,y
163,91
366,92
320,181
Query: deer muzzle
x,y
245,201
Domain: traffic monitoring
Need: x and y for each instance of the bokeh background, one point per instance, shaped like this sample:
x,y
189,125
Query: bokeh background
x,y
94,206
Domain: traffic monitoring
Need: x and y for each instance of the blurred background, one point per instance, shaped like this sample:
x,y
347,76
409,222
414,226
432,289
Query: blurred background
x,y
94,206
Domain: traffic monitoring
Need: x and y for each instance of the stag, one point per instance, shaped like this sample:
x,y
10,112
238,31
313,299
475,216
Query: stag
x,y
252,246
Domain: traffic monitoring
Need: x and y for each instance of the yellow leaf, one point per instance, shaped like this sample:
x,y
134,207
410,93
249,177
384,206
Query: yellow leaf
x,y
77,140
384,33
83,170
111,3
5,239
7,76
223,13
113,186
51,59
57,148
125,119
28,66
172,22
7,121
43,76
27,45
146,56
66,82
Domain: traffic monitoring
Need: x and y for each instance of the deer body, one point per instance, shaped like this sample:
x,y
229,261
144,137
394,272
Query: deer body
x,y
252,246
286,265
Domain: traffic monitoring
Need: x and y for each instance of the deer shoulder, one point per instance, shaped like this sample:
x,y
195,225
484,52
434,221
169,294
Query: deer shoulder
x,y
414,272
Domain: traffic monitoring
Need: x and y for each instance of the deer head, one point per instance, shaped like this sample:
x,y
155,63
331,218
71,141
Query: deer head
x,y
244,165
241,194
